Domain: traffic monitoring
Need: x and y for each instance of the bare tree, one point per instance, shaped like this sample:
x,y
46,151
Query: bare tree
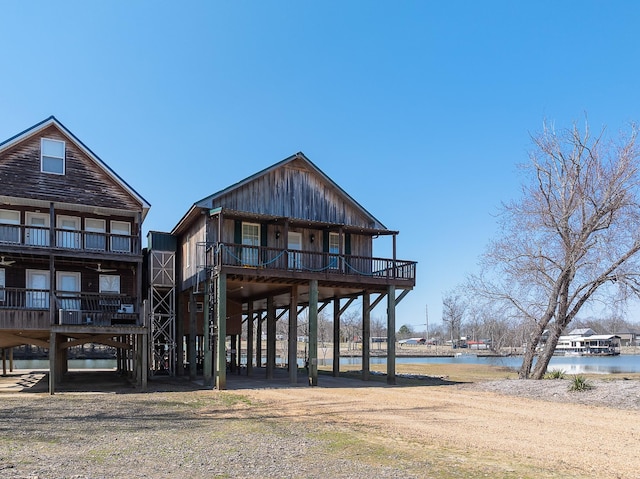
x,y
453,309
571,239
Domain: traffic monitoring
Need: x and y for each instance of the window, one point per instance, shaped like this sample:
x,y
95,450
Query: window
x,y
121,236
110,283
94,237
2,285
251,243
52,156
9,226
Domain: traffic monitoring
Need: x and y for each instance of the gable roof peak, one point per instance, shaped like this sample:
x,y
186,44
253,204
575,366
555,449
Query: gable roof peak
x,y
52,120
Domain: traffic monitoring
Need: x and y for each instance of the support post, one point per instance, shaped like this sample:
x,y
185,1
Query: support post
x,y
144,370
391,335
221,363
180,353
313,332
233,353
336,337
191,354
207,353
366,335
293,335
259,341
271,337
52,362
250,338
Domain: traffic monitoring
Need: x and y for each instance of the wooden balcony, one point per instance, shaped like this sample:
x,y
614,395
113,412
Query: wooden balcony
x,y
35,238
22,308
259,260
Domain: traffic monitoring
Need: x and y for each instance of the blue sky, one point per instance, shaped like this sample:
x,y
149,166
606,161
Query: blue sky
x,y
420,110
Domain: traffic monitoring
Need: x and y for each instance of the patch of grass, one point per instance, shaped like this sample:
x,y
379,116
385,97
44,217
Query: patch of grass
x,y
580,383
211,399
555,374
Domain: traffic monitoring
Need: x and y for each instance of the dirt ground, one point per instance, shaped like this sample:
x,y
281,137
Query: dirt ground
x,y
507,422
438,427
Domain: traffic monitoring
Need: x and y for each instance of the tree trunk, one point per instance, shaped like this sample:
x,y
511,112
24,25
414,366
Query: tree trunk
x,y
530,354
547,353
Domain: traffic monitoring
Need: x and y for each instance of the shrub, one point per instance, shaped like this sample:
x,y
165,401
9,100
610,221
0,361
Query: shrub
x,y
580,383
555,374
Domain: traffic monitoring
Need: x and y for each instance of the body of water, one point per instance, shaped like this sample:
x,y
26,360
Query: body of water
x,y
569,364
43,364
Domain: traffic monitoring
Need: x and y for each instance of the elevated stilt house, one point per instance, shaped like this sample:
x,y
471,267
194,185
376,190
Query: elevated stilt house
x,y
70,251
263,250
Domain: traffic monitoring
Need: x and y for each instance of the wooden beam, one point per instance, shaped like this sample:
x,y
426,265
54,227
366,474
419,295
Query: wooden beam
x,y
221,315
346,306
271,338
313,332
324,305
377,301
401,296
259,339
391,335
53,348
293,336
191,352
9,340
250,338
208,340
337,311
366,336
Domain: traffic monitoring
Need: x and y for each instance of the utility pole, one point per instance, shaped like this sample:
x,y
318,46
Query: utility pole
x,y
427,313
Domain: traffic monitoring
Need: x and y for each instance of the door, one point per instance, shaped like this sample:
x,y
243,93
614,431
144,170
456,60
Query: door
x,y
94,237
334,247
68,232
121,236
9,226
37,232
68,290
294,245
250,243
37,289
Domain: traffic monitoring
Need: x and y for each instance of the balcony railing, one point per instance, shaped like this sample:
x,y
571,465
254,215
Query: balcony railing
x,y
244,256
40,237
73,308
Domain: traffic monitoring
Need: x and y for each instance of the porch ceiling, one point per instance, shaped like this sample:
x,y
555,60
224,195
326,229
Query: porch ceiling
x,y
243,292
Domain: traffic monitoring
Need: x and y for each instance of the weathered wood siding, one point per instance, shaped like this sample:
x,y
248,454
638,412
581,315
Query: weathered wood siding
x,y
192,253
294,191
361,245
16,276
83,182
25,319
